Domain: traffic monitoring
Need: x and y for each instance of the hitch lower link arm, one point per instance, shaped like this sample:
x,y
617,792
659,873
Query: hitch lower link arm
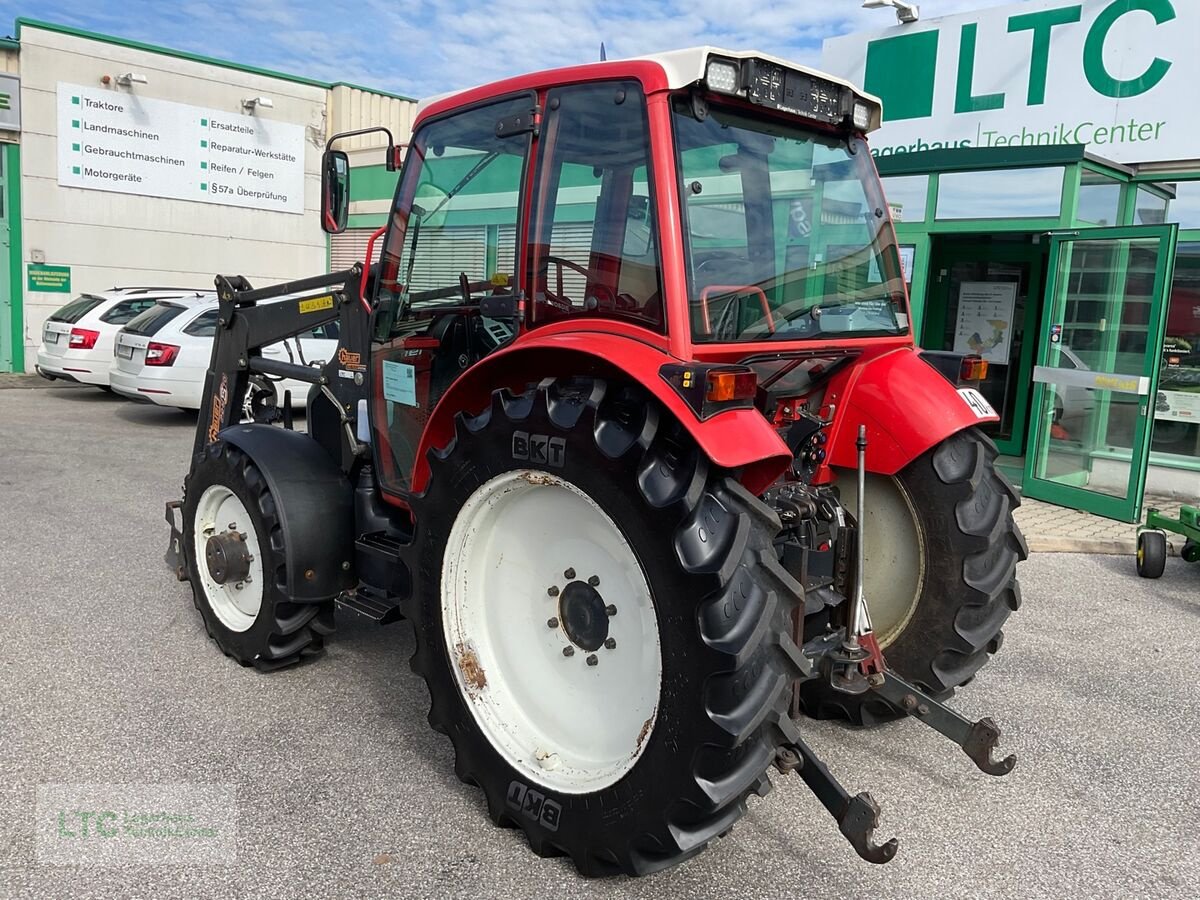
x,y
858,816
977,739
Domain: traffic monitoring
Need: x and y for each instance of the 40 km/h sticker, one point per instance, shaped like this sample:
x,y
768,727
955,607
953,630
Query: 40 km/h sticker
x,y
977,402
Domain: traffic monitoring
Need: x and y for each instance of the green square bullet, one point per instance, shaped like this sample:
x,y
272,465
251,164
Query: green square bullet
x,y
75,100
75,147
74,123
204,143
203,165
204,122
204,185
74,170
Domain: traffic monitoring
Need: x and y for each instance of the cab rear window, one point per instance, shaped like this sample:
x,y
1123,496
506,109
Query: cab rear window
x,y
153,319
76,309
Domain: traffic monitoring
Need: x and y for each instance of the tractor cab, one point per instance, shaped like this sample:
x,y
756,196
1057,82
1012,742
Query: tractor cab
x,y
718,206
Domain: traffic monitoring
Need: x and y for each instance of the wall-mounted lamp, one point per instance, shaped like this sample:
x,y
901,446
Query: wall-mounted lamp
x,y
251,103
906,13
131,78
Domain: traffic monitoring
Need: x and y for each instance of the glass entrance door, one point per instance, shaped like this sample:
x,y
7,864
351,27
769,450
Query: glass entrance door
x,y
985,293
1097,369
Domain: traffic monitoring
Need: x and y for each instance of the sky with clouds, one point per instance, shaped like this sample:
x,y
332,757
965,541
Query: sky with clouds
x,y
423,47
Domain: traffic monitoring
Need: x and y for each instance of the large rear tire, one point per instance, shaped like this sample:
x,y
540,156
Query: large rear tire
x,y
227,500
941,555
626,737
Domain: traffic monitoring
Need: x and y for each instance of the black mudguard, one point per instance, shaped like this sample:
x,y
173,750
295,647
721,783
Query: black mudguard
x,y
315,505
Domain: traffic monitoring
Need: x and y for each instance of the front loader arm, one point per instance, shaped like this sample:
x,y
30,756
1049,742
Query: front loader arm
x,y
251,319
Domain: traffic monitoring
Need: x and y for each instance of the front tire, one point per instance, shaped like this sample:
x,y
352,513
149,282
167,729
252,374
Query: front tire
x,y
941,555
627,758
251,619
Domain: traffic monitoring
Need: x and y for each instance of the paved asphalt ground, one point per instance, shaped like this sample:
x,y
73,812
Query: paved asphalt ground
x,y
106,676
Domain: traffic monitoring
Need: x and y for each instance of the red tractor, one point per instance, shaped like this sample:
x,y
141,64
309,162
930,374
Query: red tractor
x,y
628,422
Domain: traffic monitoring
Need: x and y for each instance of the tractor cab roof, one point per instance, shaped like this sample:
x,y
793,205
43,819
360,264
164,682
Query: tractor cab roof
x,y
759,77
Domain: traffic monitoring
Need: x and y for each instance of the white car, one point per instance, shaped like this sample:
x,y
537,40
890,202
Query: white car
x,y
163,355
77,340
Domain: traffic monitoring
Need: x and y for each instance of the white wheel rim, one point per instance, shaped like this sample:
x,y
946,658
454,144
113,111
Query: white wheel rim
x,y
236,604
564,724
895,552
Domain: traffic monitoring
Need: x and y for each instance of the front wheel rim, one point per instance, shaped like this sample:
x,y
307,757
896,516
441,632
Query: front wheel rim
x,y
551,631
220,511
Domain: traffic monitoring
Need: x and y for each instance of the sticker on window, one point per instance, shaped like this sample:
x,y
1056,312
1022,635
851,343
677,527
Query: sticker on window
x,y
975,400
399,383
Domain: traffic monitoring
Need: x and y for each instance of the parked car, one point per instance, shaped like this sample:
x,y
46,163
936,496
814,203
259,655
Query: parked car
x,y
77,339
162,356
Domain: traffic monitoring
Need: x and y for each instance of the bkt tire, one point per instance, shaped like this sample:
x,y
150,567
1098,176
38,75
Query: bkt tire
x,y
941,557
235,555
602,624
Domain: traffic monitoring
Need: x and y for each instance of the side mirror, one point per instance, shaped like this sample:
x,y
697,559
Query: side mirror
x,y
335,191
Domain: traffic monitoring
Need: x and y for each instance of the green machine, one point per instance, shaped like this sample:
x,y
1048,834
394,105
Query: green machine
x,y
1152,540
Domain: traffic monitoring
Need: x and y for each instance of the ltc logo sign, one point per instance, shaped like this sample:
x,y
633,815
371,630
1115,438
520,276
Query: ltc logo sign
x,y
1108,73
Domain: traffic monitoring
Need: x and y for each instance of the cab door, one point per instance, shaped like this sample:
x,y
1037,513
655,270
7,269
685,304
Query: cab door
x,y
1096,376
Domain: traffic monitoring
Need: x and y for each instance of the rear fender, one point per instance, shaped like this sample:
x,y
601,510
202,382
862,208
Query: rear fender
x,y
735,439
315,505
907,406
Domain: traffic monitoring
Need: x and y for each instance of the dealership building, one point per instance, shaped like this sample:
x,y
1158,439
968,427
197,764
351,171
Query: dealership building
x,y
124,164
1041,161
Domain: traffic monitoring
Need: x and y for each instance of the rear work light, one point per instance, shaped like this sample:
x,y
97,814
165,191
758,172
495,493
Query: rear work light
x,y
83,338
974,368
161,354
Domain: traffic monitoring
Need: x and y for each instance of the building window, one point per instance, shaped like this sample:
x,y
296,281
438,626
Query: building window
x,y
1151,209
1177,406
1099,200
1185,208
906,196
1001,194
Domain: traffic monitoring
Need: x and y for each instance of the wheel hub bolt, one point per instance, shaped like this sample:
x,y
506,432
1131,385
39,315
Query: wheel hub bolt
x,y
570,573
553,591
611,610
591,660
594,580
568,651
610,643
552,622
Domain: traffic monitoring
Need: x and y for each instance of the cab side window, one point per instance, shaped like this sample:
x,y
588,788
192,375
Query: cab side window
x,y
595,251
451,247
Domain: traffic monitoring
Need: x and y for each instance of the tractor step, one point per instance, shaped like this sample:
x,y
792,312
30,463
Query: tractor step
x,y
379,608
381,546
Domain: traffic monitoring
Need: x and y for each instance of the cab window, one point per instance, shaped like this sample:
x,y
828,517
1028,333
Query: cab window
x,y
447,282
595,251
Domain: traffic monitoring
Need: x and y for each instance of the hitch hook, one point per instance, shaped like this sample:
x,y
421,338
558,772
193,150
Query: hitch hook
x,y
857,816
977,739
